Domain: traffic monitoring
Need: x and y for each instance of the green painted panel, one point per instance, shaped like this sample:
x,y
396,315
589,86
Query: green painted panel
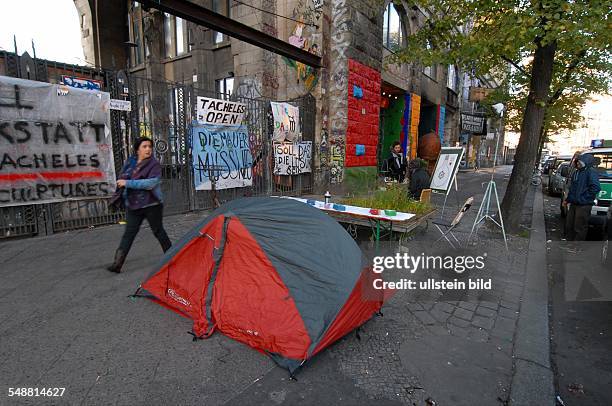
x,y
392,125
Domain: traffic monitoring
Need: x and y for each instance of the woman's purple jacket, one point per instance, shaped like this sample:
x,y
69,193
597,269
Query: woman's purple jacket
x,y
142,186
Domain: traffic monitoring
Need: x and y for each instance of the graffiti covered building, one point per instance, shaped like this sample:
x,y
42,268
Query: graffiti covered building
x,y
363,104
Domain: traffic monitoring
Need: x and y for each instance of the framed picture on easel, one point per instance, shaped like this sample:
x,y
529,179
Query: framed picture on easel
x,y
446,169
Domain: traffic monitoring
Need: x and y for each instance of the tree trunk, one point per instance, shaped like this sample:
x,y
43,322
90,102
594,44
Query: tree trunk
x,y
533,120
540,145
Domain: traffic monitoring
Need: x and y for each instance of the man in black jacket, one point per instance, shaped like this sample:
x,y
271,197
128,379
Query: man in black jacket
x,y
582,193
396,163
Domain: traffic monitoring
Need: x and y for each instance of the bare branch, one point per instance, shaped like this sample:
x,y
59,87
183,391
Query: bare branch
x,y
517,66
568,76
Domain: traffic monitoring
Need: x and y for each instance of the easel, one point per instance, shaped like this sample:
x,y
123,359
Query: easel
x,y
447,193
453,180
483,211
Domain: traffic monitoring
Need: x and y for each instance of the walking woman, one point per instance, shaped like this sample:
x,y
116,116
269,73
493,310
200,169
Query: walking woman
x,y
139,188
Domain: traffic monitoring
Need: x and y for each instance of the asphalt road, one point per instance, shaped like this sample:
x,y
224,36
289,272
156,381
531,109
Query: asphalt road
x,y
581,331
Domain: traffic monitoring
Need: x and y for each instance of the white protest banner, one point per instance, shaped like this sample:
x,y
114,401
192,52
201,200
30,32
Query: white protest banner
x,y
121,105
53,147
215,111
221,154
292,159
286,122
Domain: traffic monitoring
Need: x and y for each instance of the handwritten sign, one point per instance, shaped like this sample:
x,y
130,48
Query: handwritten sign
x,y
286,122
215,111
292,159
221,155
53,146
121,105
472,124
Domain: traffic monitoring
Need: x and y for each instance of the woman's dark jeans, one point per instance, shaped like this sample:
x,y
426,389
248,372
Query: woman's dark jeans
x,y
153,214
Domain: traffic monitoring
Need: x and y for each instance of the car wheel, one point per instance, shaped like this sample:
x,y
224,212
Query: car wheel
x,y
606,255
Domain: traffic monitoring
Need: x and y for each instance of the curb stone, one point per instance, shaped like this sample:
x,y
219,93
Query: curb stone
x,y
532,378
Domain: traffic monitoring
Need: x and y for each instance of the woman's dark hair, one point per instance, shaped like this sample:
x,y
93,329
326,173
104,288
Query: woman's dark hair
x,y
139,141
394,144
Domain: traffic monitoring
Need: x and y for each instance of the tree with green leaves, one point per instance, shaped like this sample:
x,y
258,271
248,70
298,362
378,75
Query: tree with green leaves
x,y
552,54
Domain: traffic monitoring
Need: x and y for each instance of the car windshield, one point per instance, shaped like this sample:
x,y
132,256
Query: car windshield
x,y
605,164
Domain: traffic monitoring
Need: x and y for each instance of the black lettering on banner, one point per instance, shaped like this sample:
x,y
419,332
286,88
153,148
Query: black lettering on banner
x,y
203,138
54,188
91,189
223,156
21,164
79,126
66,190
45,132
218,117
6,135
97,128
60,132
80,189
7,160
81,160
17,103
56,161
41,190
38,159
22,126
68,163
105,188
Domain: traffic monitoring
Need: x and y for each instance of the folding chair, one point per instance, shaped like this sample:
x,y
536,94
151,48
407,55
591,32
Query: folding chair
x,y
449,227
425,195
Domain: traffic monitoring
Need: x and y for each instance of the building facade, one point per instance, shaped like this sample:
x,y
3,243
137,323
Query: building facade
x,y
363,103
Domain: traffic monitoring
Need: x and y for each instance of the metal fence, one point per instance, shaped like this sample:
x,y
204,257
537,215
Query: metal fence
x,y
165,111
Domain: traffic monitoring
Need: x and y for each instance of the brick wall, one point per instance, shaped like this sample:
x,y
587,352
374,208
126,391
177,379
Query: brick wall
x,y
362,128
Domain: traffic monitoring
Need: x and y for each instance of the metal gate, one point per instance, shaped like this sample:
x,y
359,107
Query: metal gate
x,y
164,112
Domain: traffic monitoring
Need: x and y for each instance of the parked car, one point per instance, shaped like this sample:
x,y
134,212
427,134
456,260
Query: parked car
x,y
600,211
557,179
552,173
547,164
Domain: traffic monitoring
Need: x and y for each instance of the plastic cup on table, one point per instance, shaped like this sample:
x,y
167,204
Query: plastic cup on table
x,y
339,207
390,213
375,212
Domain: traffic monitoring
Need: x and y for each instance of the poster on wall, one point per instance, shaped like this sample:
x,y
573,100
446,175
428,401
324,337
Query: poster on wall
x,y
221,155
55,143
292,159
286,122
446,169
219,112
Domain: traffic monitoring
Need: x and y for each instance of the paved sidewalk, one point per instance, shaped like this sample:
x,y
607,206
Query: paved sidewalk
x,y
66,322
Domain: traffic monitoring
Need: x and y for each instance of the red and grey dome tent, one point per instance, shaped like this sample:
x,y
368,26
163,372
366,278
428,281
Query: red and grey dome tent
x,y
275,274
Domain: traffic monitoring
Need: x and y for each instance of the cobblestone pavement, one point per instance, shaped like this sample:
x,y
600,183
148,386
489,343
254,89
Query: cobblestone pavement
x,y
66,321
410,352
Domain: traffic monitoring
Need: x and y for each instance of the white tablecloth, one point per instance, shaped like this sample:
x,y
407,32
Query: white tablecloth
x,y
362,211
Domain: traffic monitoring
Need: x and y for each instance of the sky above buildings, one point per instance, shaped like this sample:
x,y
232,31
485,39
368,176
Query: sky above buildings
x,y
52,24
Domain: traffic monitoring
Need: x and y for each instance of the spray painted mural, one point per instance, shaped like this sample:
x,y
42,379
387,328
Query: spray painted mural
x,y
305,35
